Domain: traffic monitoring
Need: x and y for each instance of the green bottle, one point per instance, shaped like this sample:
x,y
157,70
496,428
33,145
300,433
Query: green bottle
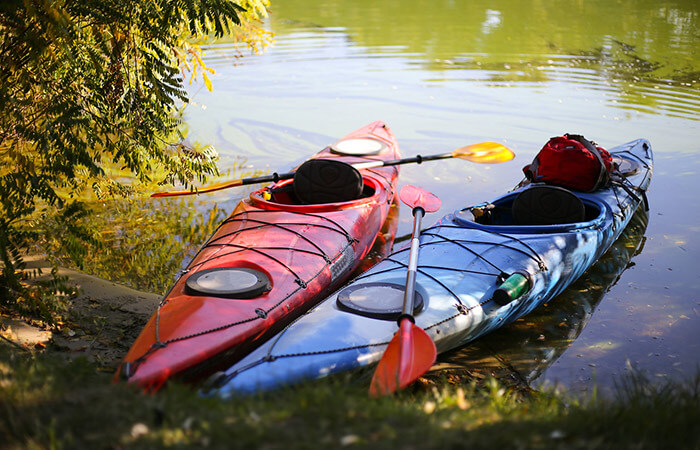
x,y
513,287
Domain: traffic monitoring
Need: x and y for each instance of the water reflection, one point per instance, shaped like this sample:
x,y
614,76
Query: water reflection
x,y
520,352
384,242
616,69
439,28
646,52
629,81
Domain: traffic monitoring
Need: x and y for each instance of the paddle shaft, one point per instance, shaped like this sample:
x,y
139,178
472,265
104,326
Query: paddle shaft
x,y
406,319
484,152
286,176
395,162
411,352
410,291
266,178
217,187
406,333
274,177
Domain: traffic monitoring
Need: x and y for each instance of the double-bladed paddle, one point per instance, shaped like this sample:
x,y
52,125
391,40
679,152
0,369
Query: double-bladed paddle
x,y
411,352
483,152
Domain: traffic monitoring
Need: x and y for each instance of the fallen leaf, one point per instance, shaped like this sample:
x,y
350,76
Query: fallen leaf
x,y
462,402
349,439
138,430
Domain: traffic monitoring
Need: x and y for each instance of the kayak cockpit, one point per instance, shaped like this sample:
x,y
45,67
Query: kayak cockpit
x,y
321,183
518,212
283,193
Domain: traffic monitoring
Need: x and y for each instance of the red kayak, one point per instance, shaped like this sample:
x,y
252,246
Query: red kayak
x,y
274,257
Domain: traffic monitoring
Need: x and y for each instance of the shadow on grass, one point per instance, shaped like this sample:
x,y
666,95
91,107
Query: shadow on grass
x,y
45,402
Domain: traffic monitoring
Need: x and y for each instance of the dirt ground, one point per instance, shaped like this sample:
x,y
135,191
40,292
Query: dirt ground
x,y
103,321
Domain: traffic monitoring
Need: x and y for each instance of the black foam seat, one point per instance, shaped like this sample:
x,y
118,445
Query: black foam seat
x,y
547,205
327,181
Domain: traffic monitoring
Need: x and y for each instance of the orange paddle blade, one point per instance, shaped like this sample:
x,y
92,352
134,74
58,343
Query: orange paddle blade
x,y
416,197
409,355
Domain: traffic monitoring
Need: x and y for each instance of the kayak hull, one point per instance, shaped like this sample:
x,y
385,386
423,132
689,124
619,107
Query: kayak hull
x,y
299,253
460,265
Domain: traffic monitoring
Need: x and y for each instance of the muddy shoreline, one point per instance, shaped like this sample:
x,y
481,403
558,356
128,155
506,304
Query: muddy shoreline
x,y
103,320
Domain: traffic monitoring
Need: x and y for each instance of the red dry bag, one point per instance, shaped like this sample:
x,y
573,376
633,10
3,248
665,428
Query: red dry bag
x,y
573,162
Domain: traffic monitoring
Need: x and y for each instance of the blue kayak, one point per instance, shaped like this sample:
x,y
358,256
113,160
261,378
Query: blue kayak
x,y
522,352
479,268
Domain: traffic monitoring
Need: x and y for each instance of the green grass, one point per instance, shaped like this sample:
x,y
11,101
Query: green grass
x,y
47,403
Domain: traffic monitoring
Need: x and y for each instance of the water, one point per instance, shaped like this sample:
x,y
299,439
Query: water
x,y
446,73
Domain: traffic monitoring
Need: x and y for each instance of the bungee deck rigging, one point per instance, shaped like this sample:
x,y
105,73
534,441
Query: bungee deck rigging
x,y
285,226
461,265
260,314
401,266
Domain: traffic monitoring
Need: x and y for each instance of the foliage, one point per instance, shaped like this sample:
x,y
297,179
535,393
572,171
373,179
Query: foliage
x,y
44,403
45,301
142,242
92,87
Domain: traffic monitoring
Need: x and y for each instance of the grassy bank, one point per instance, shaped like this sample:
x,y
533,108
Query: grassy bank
x,y
48,403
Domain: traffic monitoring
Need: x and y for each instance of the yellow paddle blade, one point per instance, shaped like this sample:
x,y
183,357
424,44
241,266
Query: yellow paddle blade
x,y
201,190
485,152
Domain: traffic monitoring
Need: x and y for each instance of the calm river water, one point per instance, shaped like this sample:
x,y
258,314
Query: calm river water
x,y
446,73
